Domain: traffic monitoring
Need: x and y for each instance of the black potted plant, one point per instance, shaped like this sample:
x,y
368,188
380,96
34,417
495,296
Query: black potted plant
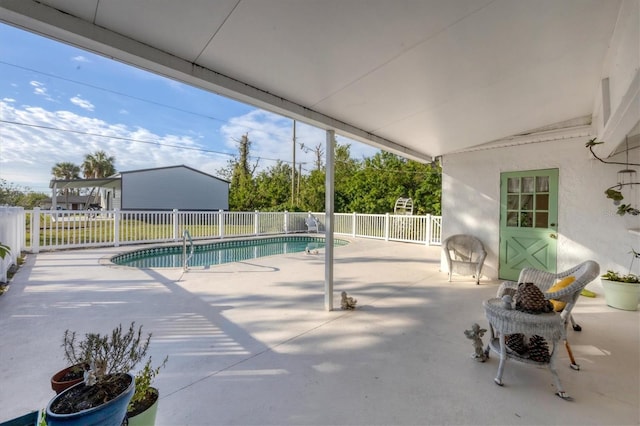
x,y
108,386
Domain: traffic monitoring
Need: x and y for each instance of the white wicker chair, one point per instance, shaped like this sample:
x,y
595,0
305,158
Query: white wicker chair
x,y
465,255
584,273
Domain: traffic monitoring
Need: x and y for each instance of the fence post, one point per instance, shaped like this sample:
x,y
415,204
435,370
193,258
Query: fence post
x,y
354,224
429,230
286,222
35,230
221,223
116,227
386,226
256,222
174,219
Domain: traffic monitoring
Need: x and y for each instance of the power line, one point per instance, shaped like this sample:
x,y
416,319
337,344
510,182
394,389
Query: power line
x,y
131,96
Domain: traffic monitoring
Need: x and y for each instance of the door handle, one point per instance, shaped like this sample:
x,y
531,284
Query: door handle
x,y
554,236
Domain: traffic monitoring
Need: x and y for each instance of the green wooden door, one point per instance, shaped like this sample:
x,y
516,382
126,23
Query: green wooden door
x,y
528,221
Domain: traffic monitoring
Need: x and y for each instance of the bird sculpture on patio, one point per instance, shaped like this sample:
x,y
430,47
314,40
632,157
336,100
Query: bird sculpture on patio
x,y
476,334
348,302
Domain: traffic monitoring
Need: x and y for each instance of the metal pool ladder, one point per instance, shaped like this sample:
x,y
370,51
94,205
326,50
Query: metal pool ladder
x,y
185,258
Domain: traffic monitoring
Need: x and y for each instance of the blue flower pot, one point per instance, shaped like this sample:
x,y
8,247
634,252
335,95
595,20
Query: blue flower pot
x,y
111,413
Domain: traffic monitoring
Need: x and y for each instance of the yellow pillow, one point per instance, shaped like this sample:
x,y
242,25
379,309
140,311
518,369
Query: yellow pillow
x,y
559,305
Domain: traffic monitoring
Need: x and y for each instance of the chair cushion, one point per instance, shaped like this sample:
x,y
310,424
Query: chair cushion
x,y
559,305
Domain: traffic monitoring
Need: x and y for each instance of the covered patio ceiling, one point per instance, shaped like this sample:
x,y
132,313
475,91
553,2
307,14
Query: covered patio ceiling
x,y
421,78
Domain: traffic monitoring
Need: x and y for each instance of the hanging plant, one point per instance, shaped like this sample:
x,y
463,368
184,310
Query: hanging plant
x,y
615,192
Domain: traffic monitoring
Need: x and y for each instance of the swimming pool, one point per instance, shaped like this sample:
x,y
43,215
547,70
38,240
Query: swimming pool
x,y
220,252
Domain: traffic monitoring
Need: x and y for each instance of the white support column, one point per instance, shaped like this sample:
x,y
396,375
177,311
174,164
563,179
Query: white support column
x,y
328,221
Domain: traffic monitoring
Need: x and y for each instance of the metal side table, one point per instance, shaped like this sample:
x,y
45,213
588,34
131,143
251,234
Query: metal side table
x,y
504,321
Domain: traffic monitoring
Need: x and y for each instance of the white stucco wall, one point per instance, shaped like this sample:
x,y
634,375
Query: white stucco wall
x,y
173,188
588,226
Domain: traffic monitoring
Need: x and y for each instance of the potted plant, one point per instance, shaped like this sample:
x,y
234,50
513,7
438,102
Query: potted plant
x,y
4,250
143,406
68,377
622,291
108,386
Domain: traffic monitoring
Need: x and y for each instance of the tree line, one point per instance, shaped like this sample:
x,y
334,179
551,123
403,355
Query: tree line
x,y
371,185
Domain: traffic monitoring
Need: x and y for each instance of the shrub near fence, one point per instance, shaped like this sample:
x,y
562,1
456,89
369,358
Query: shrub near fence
x,y
62,229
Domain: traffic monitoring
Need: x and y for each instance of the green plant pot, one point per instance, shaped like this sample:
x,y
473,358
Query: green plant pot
x,y
148,416
621,295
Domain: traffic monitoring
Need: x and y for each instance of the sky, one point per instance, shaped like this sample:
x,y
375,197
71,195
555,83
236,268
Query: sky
x,y
59,103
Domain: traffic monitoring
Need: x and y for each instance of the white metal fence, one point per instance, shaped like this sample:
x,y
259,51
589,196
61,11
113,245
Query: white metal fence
x,y
37,230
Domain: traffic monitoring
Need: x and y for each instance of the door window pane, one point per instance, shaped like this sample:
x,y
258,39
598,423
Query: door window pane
x,y
527,202
512,219
527,184
513,185
542,220
542,184
512,202
526,220
542,201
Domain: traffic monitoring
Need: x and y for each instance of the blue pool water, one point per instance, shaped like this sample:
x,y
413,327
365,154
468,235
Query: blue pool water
x,y
219,252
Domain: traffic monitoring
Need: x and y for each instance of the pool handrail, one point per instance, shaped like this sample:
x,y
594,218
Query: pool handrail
x,y
185,259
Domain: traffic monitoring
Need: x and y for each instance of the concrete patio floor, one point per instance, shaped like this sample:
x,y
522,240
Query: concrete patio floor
x,y
250,343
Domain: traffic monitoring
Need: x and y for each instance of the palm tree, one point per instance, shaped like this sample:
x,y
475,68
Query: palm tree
x,y
97,165
66,171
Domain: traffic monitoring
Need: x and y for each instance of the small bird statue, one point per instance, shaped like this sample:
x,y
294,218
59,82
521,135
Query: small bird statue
x,y
348,303
476,334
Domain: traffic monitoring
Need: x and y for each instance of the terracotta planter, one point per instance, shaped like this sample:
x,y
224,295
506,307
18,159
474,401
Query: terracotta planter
x,y
148,416
58,383
111,413
621,295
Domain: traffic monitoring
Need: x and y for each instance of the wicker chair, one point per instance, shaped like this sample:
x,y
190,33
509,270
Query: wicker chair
x,y
313,224
465,255
584,273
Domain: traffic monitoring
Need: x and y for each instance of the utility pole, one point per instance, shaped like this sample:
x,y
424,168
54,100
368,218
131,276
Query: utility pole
x,y
298,189
293,167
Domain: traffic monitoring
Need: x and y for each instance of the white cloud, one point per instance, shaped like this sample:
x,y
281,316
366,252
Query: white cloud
x,y
82,103
29,152
8,100
80,58
40,89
